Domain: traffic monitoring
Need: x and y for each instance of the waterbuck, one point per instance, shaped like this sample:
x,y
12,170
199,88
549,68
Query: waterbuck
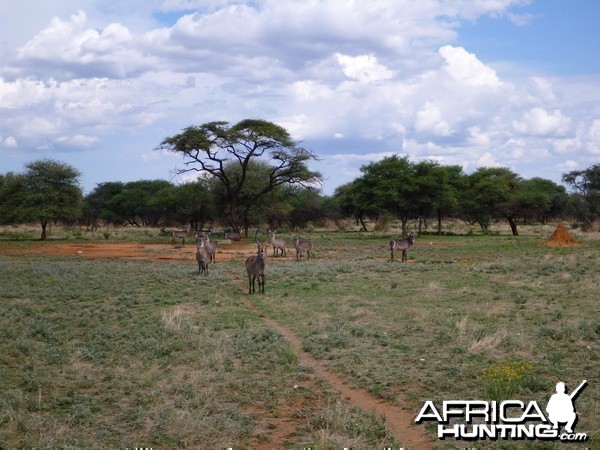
x,y
211,246
233,235
202,255
256,266
277,243
402,244
180,234
302,246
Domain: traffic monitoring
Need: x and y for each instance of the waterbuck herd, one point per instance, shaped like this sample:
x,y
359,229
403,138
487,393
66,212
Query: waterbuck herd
x,y
256,265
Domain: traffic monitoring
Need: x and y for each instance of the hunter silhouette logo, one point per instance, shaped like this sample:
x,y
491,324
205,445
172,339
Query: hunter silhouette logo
x,y
509,419
561,409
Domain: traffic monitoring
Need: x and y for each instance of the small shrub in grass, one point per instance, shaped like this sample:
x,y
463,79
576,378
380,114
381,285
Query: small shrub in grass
x,y
503,380
339,425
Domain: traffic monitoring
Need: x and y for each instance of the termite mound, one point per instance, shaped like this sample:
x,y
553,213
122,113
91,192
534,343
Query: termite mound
x,y
561,238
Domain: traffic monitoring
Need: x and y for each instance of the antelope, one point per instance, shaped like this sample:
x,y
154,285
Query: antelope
x,y
202,255
211,246
233,235
402,244
302,246
180,234
277,243
256,266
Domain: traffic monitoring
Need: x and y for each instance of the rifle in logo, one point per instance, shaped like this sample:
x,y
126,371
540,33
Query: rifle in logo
x,y
560,407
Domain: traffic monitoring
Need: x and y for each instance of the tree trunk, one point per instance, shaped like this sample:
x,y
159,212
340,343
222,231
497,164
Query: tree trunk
x,y
439,217
513,226
404,221
43,237
362,222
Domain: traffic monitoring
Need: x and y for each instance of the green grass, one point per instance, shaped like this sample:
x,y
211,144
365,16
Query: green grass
x,y
111,353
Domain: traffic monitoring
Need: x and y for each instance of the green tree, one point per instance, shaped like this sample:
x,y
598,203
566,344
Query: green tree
x,y
436,190
586,184
47,192
389,185
96,203
138,203
492,193
191,203
540,199
306,204
353,199
211,148
11,198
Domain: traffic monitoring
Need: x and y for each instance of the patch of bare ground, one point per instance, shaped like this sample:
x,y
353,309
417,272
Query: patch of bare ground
x,y
152,252
400,421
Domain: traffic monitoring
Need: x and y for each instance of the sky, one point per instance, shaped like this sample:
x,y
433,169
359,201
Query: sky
x,y
98,84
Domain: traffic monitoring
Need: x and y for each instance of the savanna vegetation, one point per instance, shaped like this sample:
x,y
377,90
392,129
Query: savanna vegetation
x,y
145,353
115,353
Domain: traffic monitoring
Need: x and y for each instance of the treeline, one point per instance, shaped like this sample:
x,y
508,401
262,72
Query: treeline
x,y
416,193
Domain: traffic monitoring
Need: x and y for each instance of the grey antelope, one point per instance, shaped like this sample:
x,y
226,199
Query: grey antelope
x,y
256,266
302,246
211,246
276,243
233,235
180,234
402,244
202,255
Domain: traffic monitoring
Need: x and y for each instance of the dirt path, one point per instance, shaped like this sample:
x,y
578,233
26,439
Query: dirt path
x,y
398,420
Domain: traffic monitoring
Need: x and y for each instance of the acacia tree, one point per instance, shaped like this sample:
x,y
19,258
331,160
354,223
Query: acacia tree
x,y
353,201
390,185
47,192
586,185
211,147
493,193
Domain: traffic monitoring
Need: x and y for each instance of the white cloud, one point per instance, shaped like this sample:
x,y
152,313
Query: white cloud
x,y
10,142
78,141
369,78
363,68
429,119
568,165
538,122
465,68
488,160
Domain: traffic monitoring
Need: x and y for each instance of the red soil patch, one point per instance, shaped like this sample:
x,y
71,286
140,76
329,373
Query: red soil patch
x,y
152,252
561,238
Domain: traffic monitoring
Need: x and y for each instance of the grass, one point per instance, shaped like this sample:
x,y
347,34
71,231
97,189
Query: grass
x,y
112,353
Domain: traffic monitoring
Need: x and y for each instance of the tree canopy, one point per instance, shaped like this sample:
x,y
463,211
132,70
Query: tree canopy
x,y
48,191
226,152
586,184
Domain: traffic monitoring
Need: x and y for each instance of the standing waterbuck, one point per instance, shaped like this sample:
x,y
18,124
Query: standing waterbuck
x,y
402,244
276,243
180,234
202,255
210,245
256,266
302,246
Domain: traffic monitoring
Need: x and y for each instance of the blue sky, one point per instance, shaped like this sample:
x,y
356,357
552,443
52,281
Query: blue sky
x,y
99,83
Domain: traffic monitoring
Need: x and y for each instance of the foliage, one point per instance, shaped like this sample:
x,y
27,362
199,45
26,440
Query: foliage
x,y
214,148
586,184
503,380
47,192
